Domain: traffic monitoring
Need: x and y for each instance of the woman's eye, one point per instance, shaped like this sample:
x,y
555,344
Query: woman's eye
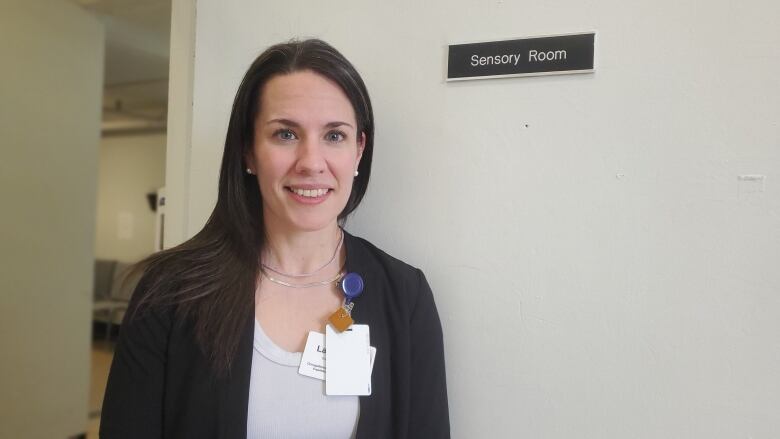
x,y
285,135
335,136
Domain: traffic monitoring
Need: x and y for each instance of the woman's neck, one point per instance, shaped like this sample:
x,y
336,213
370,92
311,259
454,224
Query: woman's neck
x,y
299,252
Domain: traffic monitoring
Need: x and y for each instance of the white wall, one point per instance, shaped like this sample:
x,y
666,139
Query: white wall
x,y
600,270
130,167
50,91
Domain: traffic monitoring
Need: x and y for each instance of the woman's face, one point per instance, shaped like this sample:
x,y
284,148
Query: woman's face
x,y
306,151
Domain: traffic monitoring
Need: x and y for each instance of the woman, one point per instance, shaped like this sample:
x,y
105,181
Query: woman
x,y
213,340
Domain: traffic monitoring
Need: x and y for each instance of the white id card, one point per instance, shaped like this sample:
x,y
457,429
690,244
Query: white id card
x,y
348,361
313,358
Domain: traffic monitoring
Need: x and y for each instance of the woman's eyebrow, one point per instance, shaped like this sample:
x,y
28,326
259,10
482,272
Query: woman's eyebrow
x,y
289,122
337,124
295,124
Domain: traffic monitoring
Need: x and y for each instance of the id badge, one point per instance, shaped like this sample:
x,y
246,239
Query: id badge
x,y
348,361
313,358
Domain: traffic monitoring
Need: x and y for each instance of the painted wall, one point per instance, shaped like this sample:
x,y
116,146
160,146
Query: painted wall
x,y
130,167
599,266
50,96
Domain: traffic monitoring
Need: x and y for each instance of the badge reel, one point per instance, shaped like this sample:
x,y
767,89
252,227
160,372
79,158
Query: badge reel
x,y
352,286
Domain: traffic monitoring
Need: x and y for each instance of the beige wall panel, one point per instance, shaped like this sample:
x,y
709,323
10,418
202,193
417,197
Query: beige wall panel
x,y
50,91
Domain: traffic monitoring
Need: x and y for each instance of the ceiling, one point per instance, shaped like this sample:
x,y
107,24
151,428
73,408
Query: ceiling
x,y
137,43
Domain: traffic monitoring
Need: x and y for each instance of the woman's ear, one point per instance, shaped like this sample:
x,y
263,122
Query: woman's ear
x,y
249,163
361,145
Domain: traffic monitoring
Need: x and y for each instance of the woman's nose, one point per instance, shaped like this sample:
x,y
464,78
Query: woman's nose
x,y
310,157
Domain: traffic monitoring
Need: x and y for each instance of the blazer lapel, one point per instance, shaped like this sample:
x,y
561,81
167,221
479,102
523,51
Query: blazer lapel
x,y
358,262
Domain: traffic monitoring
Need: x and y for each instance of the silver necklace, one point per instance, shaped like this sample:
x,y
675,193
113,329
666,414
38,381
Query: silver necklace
x,y
308,285
330,261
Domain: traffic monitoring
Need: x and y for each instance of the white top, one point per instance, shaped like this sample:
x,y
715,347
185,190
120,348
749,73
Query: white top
x,y
285,404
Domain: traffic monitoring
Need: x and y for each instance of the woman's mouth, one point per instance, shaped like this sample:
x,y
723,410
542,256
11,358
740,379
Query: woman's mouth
x,y
309,195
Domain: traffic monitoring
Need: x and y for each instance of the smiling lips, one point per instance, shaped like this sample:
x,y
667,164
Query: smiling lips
x,y
309,195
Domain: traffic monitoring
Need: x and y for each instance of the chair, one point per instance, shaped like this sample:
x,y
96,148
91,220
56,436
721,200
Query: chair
x,y
113,289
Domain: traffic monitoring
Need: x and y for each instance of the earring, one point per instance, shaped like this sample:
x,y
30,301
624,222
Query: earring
x,y
356,173
249,171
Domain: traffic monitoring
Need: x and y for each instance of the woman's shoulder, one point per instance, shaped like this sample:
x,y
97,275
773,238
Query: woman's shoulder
x,y
391,278
158,281
363,253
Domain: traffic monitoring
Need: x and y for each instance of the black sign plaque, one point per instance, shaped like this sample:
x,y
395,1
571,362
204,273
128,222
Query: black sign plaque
x,y
551,55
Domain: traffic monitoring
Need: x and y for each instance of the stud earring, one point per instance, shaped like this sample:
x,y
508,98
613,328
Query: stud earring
x,y
356,173
249,171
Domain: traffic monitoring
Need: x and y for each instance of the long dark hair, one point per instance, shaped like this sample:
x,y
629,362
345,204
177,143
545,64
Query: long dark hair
x,y
211,278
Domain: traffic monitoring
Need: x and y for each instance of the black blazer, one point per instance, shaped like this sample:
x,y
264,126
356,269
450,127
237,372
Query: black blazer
x,y
161,385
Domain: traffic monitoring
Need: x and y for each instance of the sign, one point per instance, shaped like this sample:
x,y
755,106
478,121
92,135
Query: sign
x,y
551,55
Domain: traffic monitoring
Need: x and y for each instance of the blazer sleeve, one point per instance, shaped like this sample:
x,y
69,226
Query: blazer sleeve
x,y
133,403
429,415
